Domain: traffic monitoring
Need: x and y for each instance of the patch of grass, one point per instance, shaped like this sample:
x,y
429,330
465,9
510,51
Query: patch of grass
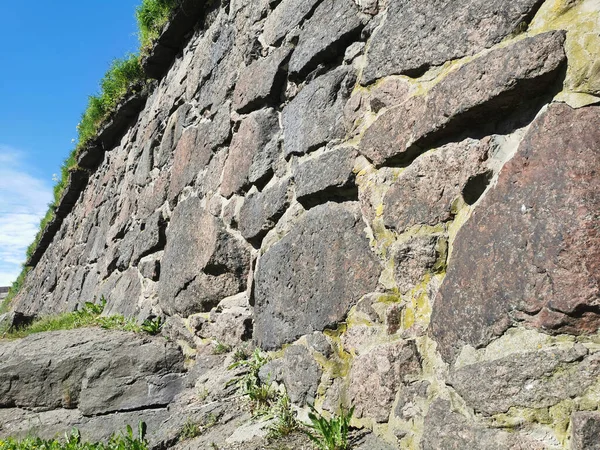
x,y
117,82
192,429
152,326
221,348
261,395
152,16
122,441
285,418
88,316
329,434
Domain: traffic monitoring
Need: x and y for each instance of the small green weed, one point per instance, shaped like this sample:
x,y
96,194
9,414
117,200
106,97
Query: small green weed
x,y
221,348
152,326
72,441
261,395
285,418
192,429
330,434
240,354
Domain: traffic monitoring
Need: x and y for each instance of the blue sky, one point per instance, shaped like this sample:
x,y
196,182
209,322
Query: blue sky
x,y
53,56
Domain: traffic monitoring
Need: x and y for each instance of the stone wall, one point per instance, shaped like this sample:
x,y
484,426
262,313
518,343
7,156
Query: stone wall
x,y
404,195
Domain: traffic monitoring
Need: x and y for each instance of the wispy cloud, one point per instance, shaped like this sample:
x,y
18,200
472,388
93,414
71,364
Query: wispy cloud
x,y
23,202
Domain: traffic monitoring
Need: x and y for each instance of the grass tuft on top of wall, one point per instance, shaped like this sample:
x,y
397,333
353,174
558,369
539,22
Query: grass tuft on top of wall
x,y
152,16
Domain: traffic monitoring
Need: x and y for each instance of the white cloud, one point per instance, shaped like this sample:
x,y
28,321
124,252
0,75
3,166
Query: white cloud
x,y
23,202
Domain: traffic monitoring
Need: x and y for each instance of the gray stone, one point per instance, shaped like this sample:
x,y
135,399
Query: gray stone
x,y
415,257
528,380
377,375
327,176
195,149
301,375
216,264
539,221
585,429
315,115
96,370
287,15
418,34
372,442
310,278
318,342
261,82
408,406
149,266
334,24
261,211
228,325
124,296
449,430
151,237
424,193
248,146
494,85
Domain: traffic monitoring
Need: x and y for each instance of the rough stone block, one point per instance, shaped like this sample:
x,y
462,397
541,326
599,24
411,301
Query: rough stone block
x,y
494,85
539,221
315,116
418,34
310,278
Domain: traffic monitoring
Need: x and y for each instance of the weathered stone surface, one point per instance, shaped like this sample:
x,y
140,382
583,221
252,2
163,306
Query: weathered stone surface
x,y
329,175
377,375
494,85
326,34
539,221
261,210
151,237
451,431
216,264
585,429
261,82
287,15
315,116
310,278
529,380
425,192
372,442
418,34
229,323
247,146
124,294
301,375
415,257
195,149
96,370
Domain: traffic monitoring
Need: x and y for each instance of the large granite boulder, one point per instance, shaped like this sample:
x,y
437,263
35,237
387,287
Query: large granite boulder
x,y
418,34
310,278
202,263
530,253
492,87
287,15
95,370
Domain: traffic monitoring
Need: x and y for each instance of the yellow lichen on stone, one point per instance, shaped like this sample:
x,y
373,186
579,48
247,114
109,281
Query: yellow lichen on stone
x,y
581,19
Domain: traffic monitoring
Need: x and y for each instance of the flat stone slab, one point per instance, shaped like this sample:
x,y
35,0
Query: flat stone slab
x,y
312,276
538,228
95,370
